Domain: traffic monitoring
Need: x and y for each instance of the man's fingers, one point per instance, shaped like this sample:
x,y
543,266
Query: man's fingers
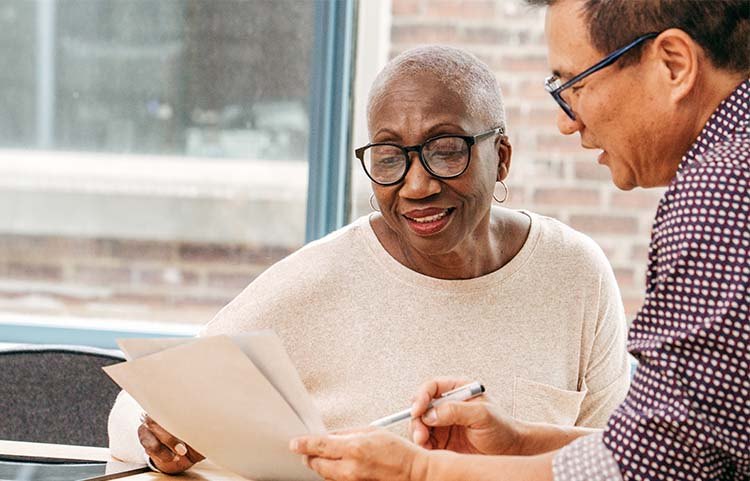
x,y
456,413
420,433
327,468
318,446
432,389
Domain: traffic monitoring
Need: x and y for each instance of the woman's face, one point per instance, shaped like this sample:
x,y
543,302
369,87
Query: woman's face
x,y
430,215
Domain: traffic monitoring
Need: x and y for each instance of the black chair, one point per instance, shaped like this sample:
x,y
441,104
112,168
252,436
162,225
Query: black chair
x,y
56,394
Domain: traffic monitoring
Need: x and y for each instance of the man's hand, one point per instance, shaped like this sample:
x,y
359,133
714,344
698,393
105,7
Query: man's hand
x,y
472,427
362,455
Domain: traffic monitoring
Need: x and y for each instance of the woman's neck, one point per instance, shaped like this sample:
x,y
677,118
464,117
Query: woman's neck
x,y
487,250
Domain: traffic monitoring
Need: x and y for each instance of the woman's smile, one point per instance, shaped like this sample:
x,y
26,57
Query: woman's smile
x,y
428,221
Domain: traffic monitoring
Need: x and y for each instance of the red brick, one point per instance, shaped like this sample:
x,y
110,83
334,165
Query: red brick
x,y
168,276
47,247
632,304
604,224
232,254
418,34
558,144
639,253
528,64
137,250
101,275
460,9
638,198
406,7
484,34
625,277
44,272
590,170
567,196
233,280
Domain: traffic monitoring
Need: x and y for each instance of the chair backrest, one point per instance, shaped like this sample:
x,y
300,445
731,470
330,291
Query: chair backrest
x,y
56,394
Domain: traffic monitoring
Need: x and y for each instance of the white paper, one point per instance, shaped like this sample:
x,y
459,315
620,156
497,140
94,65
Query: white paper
x,y
208,393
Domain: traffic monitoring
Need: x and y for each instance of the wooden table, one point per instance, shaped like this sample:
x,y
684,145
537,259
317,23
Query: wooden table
x,y
203,471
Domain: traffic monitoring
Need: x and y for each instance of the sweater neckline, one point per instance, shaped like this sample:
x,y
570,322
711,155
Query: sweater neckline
x,y
416,279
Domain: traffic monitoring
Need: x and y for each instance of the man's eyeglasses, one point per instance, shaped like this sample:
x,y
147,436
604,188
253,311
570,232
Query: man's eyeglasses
x,y
555,86
444,157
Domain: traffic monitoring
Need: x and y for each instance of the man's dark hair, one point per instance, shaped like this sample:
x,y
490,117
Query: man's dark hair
x,y
720,27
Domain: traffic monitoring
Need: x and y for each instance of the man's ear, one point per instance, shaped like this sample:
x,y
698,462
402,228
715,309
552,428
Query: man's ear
x,y
679,58
504,154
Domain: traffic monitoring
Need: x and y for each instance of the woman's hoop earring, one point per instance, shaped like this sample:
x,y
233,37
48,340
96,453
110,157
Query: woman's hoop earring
x,y
505,197
372,203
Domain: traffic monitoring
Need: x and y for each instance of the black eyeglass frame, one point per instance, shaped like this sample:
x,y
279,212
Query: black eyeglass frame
x,y
552,83
470,140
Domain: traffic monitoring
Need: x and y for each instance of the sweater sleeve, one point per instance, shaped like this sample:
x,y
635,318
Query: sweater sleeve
x,y
607,373
122,426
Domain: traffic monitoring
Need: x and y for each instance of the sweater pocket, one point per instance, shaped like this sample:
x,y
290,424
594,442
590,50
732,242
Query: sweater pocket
x,y
537,402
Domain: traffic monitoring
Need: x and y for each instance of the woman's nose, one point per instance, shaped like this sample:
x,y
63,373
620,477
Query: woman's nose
x,y
566,125
418,183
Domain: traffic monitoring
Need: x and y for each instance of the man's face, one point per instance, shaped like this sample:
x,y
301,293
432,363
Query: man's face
x,y
617,111
431,215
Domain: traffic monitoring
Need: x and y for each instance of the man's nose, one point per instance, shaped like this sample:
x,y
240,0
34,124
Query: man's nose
x,y
418,183
566,125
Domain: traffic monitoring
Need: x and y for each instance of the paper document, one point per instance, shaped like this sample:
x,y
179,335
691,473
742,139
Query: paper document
x,y
237,400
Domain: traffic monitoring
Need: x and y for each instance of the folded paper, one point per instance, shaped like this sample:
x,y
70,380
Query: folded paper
x,y
238,400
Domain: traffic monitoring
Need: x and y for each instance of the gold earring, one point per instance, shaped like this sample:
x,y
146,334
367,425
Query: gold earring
x,y
372,203
505,197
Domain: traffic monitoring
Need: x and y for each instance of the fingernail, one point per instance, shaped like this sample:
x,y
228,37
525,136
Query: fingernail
x,y
293,445
305,461
180,449
143,417
413,408
430,416
176,458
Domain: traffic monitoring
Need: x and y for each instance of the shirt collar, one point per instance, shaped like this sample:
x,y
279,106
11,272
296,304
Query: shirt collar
x,y
733,113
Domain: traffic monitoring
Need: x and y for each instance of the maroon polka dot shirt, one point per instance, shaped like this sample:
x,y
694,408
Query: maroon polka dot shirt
x,y
687,415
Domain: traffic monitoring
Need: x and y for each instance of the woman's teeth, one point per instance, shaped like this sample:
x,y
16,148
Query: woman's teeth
x,y
431,218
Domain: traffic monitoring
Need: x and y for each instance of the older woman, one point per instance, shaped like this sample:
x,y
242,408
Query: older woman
x,y
687,416
438,280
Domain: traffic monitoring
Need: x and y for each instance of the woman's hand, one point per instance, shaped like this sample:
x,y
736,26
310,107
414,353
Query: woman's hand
x,y
358,455
169,454
473,427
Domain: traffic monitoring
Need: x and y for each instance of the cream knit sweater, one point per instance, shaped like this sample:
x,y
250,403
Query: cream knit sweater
x,y
545,333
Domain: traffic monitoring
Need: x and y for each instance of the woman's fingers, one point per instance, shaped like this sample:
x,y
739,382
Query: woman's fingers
x,y
155,449
175,445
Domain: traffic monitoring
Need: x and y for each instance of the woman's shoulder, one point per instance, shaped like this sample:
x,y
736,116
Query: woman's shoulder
x,y
335,250
565,244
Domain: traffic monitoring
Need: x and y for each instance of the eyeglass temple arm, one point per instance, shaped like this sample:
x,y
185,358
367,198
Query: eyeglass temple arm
x,y
607,61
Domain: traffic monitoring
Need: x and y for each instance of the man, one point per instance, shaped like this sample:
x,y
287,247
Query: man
x,y
669,106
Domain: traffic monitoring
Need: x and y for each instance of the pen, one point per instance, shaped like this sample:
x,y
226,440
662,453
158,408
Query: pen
x,y
462,393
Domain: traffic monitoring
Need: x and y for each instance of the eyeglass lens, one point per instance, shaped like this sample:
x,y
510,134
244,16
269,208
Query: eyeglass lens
x,y
445,157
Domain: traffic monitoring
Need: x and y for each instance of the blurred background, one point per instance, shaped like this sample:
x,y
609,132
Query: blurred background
x,y
157,155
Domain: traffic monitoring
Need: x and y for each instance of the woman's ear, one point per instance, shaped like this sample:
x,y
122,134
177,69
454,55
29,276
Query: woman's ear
x,y
504,154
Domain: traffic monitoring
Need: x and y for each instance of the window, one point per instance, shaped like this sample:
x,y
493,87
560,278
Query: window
x,y
154,154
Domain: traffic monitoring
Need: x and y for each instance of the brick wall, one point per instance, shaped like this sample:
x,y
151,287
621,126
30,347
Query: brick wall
x,y
550,174
126,279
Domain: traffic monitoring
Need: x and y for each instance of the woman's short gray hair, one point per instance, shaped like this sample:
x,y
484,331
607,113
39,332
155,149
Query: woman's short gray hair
x,y
460,72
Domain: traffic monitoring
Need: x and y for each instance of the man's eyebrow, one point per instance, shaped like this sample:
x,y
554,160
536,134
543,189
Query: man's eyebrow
x,y
562,74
